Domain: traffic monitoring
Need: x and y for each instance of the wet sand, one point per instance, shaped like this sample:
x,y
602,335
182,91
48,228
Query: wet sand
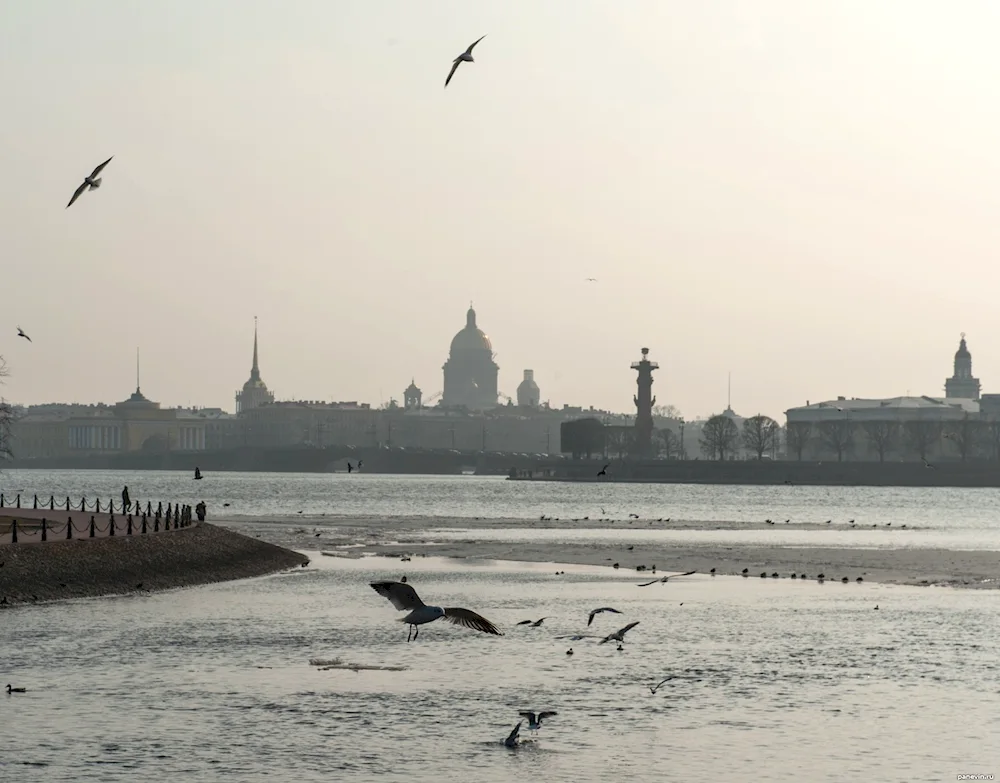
x,y
399,536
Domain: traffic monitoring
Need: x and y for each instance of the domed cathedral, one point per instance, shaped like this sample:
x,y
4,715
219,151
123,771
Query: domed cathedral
x,y
254,393
962,385
528,393
470,374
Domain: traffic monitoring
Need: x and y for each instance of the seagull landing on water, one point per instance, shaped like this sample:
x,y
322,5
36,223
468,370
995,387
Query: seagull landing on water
x,y
464,57
667,578
532,623
20,333
404,597
535,723
512,738
598,611
92,182
619,635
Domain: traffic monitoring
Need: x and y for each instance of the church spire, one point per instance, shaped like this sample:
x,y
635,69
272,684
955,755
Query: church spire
x,y
255,370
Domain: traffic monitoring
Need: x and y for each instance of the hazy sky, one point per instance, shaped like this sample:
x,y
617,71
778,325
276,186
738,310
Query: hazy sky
x,y
804,193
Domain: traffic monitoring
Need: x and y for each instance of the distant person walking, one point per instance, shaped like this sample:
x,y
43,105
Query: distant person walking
x,y
200,510
126,502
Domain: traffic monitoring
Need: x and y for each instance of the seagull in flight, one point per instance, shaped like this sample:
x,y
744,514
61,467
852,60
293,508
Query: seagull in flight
x,y
464,57
654,688
604,470
666,578
591,279
20,333
92,182
619,635
532,623
536,723
512,738
598,611
404,597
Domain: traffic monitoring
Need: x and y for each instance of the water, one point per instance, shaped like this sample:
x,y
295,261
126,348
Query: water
x,y
774,680
944,517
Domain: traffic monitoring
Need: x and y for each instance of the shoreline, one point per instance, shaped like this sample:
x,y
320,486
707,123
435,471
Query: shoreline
x,y
90,568
399,536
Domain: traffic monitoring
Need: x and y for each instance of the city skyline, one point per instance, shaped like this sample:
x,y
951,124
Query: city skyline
x,y
798,194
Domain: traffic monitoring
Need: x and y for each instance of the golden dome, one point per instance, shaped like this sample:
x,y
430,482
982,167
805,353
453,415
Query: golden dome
x,y
471,339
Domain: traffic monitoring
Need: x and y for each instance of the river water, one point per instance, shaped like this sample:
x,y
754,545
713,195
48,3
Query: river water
x,y
772,679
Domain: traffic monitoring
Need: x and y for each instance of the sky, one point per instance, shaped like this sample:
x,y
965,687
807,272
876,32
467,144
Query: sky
x,y
803,195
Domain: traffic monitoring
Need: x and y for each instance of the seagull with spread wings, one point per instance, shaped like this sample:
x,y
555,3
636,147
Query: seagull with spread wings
x,y
404,597
92,182
20,333
513,740
598,611
666,578
535,722
619,635
464,57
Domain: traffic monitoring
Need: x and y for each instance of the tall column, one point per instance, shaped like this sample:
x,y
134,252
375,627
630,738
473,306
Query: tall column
x,y
644,401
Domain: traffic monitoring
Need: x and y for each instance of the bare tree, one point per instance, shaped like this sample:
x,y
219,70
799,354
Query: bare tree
x,y
797,435
882,435
838,434
718,436
992,437
618,442
966,434
760,434
6,417
922,435
668,442
667,411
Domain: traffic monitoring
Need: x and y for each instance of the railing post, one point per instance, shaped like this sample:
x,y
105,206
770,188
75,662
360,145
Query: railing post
x,y
52,502
18,499
149,508
69,528
13,532
156,525
144,524
128,529
45,532
93,526
111,525
36,502
1,499
67,503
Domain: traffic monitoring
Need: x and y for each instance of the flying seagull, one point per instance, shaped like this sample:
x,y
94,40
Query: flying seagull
x,y
404,597
604,470
512,738
464,57
666,578
532,623
654,688
619,635
92,182
20,333
598,611
536,723
591,279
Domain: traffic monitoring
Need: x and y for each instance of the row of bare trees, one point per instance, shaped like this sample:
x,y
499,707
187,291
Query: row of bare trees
x,y
969,437
720,437
6,417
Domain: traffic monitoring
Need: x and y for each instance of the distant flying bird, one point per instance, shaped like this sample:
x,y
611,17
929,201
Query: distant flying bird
x,y
667,578
926,463
464,57
512,738
350,467
654,688
598,611
591,279
532,623
604,470
20,333
536,723
404,597
92,182
619,635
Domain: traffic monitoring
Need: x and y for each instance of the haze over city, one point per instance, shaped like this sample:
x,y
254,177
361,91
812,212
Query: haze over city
x,y
800,193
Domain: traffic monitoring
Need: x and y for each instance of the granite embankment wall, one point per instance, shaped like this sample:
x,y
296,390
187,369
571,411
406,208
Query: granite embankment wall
x,y
196,555
978,473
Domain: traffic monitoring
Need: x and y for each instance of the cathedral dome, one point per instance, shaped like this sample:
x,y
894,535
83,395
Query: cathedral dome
x,y
471,340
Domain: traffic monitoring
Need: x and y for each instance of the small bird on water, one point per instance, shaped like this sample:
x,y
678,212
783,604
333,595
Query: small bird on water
x,y
464,57
15,690
92,182
404,597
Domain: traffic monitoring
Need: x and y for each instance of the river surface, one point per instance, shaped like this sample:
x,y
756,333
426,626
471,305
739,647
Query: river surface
x,y
772,680
936,517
